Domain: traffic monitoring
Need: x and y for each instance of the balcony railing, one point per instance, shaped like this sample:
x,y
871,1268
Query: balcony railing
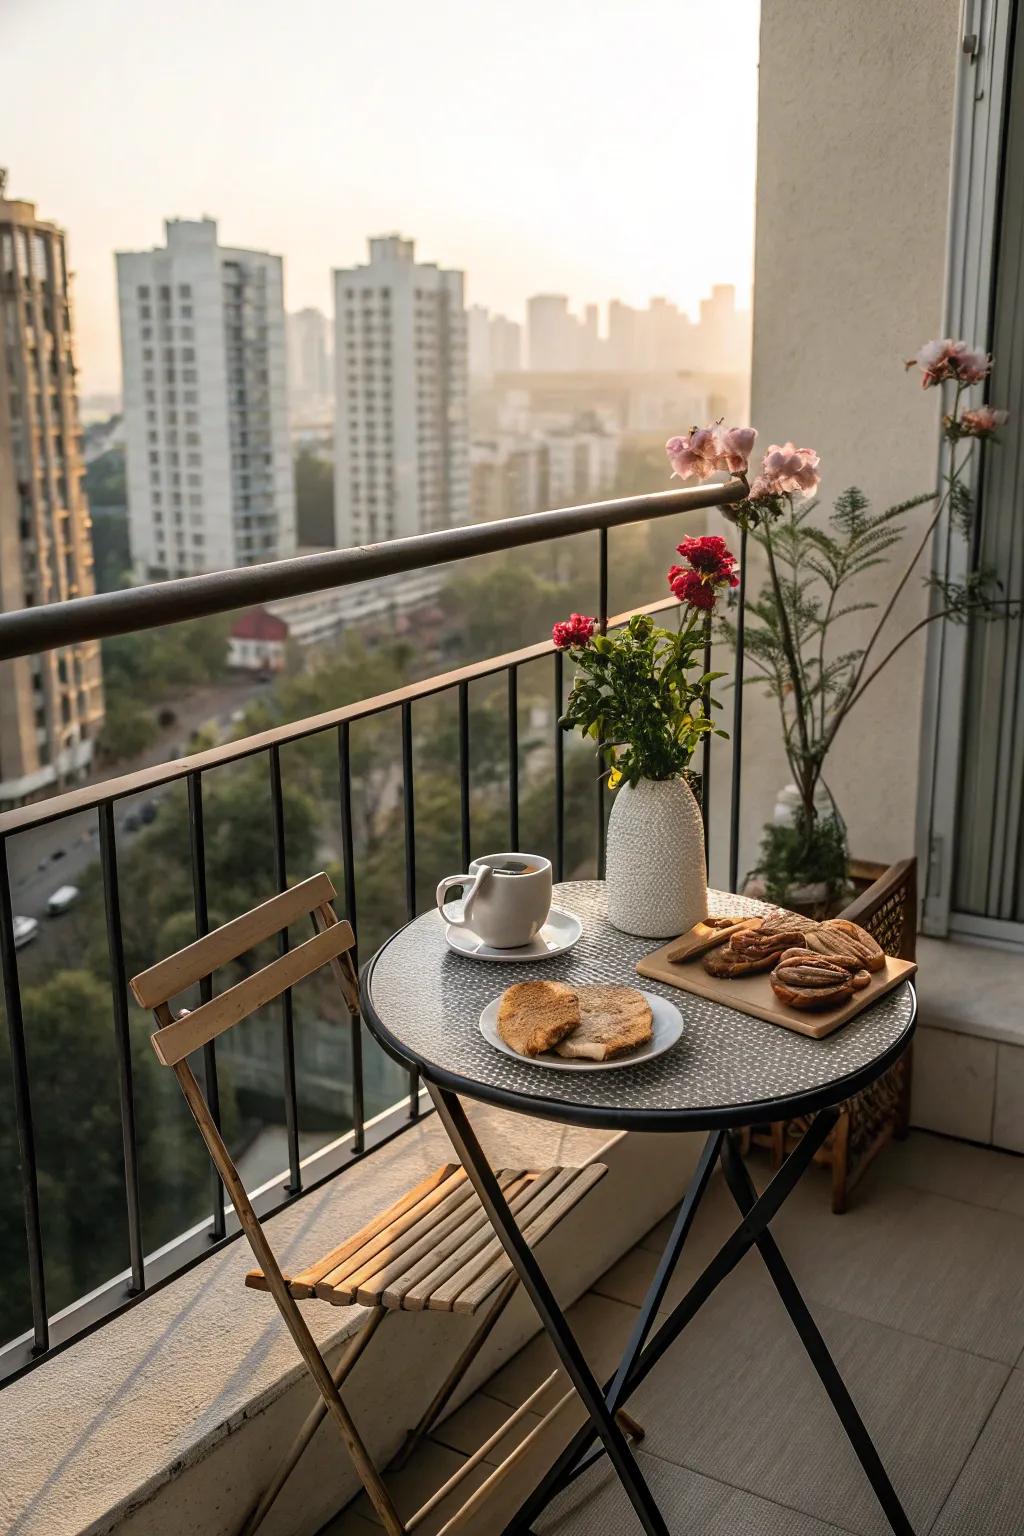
x,y
37,629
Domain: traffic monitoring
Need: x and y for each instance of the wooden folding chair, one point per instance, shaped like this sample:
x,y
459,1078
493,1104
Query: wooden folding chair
x,y
433,1250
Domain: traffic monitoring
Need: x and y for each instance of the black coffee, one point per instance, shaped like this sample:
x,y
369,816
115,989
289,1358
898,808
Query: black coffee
x,y
514,869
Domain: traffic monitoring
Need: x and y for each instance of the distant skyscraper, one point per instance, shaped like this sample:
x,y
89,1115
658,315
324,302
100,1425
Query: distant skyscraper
x,y
401,450
552,334
309,369
51,706
210,482
495,343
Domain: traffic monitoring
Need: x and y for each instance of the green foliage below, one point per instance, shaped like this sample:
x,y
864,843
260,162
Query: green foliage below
x,y
155,665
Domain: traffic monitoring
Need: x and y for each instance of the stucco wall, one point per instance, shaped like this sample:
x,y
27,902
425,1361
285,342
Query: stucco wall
x,y
854,139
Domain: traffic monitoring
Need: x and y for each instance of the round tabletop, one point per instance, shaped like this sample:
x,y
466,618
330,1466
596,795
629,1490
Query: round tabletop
x,y
422,1002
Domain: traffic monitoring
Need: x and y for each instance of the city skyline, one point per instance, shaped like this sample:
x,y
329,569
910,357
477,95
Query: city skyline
x,y
576,181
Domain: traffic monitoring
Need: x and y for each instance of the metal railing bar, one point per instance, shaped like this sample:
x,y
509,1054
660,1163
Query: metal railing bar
x,y
89,796
737,720
197,848
27,631
409,821
291,1100
23,1112
122,1042
465,828
705,770
166,1264
602,624
348,857
559,771
513,759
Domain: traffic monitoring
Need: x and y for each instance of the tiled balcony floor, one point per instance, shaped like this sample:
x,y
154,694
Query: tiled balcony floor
x,y
919,1291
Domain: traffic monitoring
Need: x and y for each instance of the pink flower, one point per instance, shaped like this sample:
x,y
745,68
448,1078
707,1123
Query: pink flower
x,y
576,630
787,471
709,450
690,587
982,421
693,457
735,445
942,360
711,558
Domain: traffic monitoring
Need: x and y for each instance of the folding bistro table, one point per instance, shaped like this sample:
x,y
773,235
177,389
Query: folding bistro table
x,y
726,1072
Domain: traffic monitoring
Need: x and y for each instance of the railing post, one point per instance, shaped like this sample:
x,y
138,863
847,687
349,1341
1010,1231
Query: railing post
x,y
559,771
705,770
291,1099
409,818
122,1041
197,845
602,623
348,856
464,800
513,759
737,721
23,1112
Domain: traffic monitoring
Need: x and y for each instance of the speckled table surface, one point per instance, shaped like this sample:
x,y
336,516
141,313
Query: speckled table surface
x,y
423,1002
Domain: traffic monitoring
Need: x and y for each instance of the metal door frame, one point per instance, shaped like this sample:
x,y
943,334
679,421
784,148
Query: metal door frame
x,y
986,36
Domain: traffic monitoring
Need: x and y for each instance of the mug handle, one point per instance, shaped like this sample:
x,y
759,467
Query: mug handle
x,y
469,884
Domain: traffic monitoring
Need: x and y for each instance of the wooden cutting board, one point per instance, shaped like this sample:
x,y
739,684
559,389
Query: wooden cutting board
x,y
754,995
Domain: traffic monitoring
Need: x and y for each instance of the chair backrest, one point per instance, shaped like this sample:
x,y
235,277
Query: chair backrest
x,y
888,910
332,941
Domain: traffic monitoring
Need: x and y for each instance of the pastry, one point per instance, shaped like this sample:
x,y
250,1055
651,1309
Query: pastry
x,y
534,1015
839,936
815,982
613,1020
787,922
726,962
850,963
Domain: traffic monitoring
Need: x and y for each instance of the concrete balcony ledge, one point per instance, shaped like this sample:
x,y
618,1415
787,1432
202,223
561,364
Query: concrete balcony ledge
x,y
169,1418
969,1053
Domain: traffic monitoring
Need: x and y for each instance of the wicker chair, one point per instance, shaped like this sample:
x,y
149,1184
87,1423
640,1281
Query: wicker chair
x,y
888,910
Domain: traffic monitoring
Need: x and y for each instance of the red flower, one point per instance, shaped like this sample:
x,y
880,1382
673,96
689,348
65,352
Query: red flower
x,y
691,587
712,557
576,630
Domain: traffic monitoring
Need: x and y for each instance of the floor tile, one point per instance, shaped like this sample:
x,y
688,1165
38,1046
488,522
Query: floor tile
x,y
978,1175
476,1420
431,1466
602,1328
737,1399
691,1503
988,1499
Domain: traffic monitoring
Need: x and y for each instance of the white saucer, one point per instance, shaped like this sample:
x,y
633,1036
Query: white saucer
x,y
667,1025
558,934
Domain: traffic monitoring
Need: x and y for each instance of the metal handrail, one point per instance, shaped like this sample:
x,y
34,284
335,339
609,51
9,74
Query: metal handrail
x,y
26,631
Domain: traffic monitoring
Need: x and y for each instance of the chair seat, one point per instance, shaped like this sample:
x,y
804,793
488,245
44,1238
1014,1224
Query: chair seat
x,y
434,1249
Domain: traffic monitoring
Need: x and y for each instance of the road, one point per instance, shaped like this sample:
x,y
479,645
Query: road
x,y
58,852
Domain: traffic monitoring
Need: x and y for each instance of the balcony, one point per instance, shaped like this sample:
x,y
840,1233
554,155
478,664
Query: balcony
x,y
167,1389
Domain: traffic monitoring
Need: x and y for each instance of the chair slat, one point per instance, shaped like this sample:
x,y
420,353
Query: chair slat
x,y
435,1243
179,971
413,1292
400,1234
302,1284
176,1041
470,1299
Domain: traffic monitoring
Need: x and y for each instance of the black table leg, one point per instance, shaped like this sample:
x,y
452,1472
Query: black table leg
x,y
745,1195
464,1141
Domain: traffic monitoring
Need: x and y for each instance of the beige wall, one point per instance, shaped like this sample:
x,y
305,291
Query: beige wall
x,y
854,137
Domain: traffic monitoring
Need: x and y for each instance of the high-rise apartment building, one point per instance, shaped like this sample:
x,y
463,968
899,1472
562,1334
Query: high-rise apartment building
x,y
495,343
309,363
210,482
401,450
552,334
51,706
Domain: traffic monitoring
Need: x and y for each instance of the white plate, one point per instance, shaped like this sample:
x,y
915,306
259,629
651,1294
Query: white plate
x,y
667,1025
558,934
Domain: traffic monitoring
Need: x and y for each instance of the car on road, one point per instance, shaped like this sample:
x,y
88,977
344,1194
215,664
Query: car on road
x,y
63,897
25,930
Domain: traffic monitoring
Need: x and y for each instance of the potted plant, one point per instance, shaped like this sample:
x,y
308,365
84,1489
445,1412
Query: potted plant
x,y
642,694
793,628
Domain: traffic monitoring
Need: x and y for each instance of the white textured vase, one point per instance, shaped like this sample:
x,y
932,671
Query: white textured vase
x,y
656,878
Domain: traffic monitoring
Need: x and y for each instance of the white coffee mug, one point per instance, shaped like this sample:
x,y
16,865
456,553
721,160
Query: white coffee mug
x,y
506,901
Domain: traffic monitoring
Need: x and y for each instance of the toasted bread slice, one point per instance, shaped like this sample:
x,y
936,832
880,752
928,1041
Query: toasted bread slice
x,y
613,1020
534,1015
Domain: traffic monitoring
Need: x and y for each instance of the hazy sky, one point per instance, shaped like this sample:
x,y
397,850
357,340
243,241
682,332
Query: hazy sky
x,y
592,147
